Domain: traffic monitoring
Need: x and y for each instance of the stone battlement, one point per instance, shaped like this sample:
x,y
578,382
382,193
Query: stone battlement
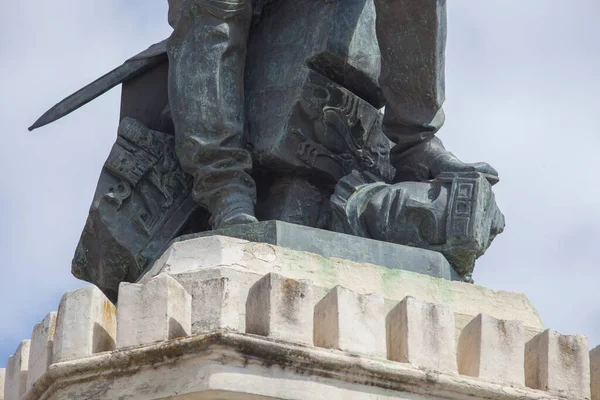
x,y
224,318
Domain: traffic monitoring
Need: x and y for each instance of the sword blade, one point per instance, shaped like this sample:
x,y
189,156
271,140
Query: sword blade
x,y
128,70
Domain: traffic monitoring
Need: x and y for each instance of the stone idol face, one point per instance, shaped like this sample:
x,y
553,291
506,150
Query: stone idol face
x,y
454,214
280,117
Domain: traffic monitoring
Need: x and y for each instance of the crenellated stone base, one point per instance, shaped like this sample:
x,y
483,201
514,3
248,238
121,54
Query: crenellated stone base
x,y
240,263
224,318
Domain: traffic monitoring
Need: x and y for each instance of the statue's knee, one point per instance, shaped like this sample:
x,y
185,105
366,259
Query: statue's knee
x,y
221,9
227,9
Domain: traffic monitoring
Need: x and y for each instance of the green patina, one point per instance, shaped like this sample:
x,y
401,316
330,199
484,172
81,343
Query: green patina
x,y
327,271
444,289
311,264
392,278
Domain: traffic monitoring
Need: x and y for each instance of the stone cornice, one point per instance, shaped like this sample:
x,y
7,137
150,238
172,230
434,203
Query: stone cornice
x,y
304,361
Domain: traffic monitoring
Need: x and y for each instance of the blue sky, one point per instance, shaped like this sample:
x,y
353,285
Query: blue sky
x,y
522,87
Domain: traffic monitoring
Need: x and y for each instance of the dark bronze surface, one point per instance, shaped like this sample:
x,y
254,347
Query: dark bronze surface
x,y
259,109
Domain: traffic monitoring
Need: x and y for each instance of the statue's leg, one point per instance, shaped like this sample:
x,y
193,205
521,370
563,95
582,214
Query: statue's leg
x,y
207,51
412,40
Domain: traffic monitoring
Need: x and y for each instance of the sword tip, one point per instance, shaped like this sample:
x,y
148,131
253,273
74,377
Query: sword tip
x,y
36,125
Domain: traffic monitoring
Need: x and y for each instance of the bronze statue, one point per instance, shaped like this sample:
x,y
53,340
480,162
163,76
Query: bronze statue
x,y
266,106
207,53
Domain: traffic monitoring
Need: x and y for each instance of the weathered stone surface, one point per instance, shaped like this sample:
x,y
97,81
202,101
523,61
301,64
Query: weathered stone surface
x,y
422,334
156,311
595,372
86,324
216,303
226,364
492,349
281,308
558,364
246,262
16,372
349,321
197,254
40,353
236,366
2,377
332,244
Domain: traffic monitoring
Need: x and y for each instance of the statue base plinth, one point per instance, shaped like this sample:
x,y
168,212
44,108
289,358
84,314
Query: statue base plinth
x,y
337,245
239,263
218,317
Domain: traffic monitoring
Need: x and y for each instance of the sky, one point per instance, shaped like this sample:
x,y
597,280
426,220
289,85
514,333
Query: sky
x,y
522,94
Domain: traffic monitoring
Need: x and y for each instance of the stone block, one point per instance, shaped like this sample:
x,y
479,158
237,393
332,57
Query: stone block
x,y
201,258
191,255
86,324
348,321
559,364
595,372
216,303
156,311
2,376
492,349
40,354
422,334
281,308
16,372
318,241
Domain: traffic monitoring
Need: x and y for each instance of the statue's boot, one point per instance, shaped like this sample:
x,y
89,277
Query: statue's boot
x,y
207,53
412,41
233,211
429,158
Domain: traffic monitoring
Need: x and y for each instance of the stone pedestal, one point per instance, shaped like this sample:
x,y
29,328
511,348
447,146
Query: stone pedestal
x,y
17,368
243,262
271,322
86,324
558,364
41,348
281,308
351,322
338,245
157,311
594,373
422,334
492,349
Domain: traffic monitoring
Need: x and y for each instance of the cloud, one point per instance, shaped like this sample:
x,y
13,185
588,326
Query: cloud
x,y
521,94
